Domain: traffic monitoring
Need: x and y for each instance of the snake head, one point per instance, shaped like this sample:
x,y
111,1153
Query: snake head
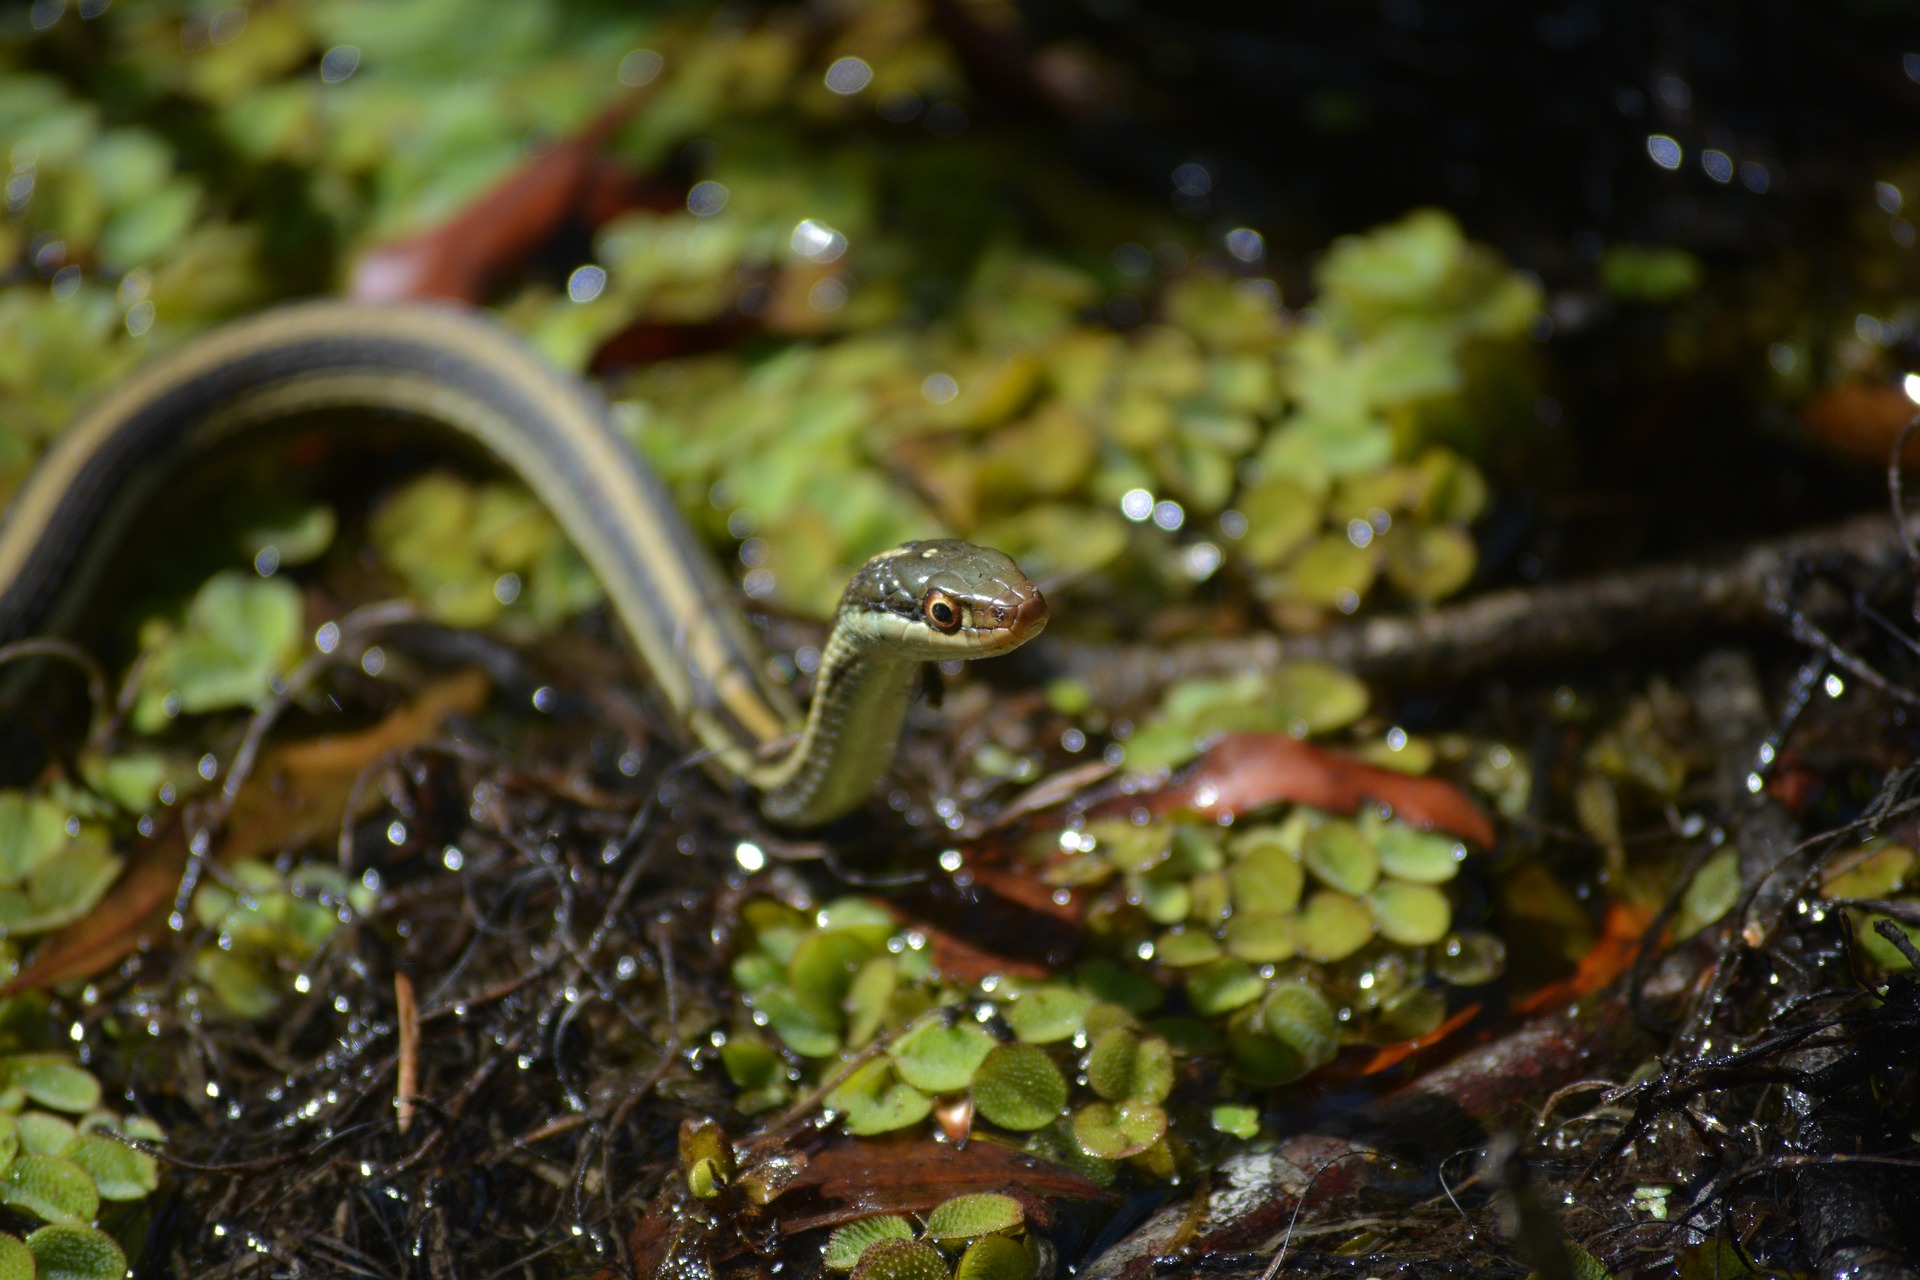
x,y
943,598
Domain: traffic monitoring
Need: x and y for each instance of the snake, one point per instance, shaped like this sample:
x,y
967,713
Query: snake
x,y
455,369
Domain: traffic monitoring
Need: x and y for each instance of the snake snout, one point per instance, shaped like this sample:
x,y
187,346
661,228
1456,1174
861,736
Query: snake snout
x,y
1022,611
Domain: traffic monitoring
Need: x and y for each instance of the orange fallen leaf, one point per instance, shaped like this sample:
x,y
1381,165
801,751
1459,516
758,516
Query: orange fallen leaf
x,y
1861,419
470,254
300,791
1392,1055
1612,955
1248,770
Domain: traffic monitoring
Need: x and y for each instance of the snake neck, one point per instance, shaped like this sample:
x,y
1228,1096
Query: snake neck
x,y
853,724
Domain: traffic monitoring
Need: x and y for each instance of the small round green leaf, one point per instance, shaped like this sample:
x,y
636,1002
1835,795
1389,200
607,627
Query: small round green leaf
x,y
1237,1122
939,1058
1299,1017
51,1188
994,1258
901,1260
1222,987
808,1027
1261,937
1116,1130
44,1134
847,1243
1266,878
875,1099
970,1217
1341,857
1413,915
869,998
750,1062
53,1081
1332,926
1019,1087
1044,1015
824,965
1469,959
120,1172
1420,857
74,1252
1123,1064
16,1260
1183,947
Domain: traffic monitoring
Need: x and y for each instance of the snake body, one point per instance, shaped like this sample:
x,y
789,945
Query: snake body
x,y
921,602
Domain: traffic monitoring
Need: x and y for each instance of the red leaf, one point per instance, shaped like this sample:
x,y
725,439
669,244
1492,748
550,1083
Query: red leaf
x,y
1607,959
1392,1055
466,257
1248,770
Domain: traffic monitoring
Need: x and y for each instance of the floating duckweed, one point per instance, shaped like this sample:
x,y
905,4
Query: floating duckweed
x,y
73,1251
824,965
970,1217
994,1258
1223,986
1422,857
1183,948
1122,1065
875,1099
1261,937
1299,697
893,1259
1047,1014
1259,1058
941,1058
451,541
1340,857
756,1071
807,1027
1019,1087
1298,1016
238,633
1332,926
1868,873
50,1188
847,1243
1116,1130
1413,1013
1267,878
1430,562
51,1081
1236,1121
869,999
45,1135
1878,949
1163,899
1413,915
48,878
1469,959
1132,848
1711,893
1212,897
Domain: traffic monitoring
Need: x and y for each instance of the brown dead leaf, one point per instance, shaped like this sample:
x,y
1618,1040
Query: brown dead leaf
x,y
1248,770
299,792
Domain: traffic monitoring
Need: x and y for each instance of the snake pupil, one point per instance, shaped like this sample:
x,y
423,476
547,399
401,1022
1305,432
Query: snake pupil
x,y
941,613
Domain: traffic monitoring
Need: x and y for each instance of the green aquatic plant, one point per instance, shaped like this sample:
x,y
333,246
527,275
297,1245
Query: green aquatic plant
x,y
985,1236
266,926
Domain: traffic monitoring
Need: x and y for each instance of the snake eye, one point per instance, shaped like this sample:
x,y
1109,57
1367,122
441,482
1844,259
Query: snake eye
x,y
941,611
